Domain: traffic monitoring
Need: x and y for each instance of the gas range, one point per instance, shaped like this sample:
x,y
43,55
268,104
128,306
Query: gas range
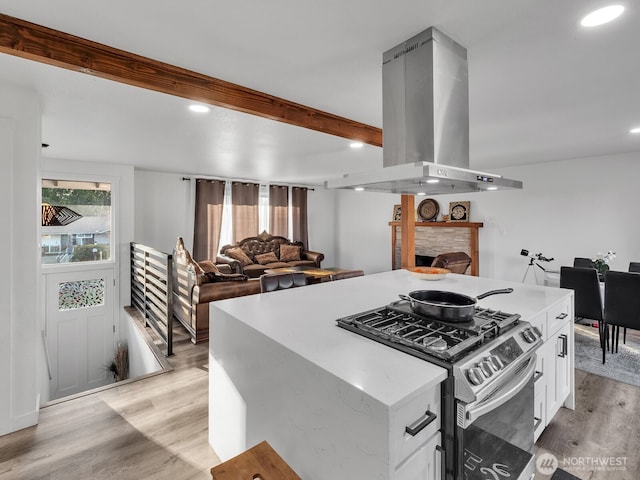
x,y
476,352
426,337
487,397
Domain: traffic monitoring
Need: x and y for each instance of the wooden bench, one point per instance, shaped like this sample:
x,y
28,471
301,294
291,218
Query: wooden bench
x,y
258,463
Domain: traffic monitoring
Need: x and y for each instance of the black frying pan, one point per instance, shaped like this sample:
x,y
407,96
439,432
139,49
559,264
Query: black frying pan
x,y
446,306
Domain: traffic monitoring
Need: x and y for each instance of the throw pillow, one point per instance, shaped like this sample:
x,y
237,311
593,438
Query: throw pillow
x,y
238,254
208,266
289,253
265,258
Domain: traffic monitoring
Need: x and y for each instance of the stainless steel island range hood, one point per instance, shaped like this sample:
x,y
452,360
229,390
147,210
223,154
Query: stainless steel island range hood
x,y
425,123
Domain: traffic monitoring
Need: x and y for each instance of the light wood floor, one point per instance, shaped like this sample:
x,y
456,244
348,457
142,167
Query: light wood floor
x,y
152,428
605,424
157,428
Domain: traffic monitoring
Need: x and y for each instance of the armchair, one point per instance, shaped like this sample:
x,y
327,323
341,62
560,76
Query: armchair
x,y
455,262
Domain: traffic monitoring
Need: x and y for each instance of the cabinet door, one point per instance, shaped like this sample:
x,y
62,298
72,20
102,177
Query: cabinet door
x,y
559,382
564,364
424,464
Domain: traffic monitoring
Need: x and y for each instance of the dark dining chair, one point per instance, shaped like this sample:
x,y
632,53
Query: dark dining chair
x,y
280,281
621,304
581,262
634,267
587,300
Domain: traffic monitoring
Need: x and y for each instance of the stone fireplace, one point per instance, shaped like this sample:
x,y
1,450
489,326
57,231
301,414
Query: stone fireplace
x,y
435,238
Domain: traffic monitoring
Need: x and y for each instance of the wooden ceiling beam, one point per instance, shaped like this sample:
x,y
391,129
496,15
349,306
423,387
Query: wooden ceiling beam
x,y
53,47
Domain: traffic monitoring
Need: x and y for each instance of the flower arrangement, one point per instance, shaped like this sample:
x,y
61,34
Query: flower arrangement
x,y
601,262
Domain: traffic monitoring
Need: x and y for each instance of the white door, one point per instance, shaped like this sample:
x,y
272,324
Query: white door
x,y
80,329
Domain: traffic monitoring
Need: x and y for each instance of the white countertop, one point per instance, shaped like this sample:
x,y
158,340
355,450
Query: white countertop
x,y
303,321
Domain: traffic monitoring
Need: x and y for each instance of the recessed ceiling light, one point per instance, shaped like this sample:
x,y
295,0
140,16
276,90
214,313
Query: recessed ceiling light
x,y
356,144
635,130
199,108
359,189
492,188
433,180
421,194
602,15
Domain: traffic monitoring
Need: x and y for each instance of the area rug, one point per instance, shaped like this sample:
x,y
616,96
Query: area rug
x,y
623,366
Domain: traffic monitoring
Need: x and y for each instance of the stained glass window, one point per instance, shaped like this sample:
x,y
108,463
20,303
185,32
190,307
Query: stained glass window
x,y
81,294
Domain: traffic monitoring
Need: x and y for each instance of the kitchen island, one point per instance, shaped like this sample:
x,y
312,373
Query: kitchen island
x,y
334,404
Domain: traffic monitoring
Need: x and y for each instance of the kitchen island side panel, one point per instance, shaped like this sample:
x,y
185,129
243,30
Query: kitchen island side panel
x,y
259,390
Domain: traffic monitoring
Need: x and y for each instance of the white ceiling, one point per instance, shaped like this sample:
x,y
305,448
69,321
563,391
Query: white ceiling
x,y
542,88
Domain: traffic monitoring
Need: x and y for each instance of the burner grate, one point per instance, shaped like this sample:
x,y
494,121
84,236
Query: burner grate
x,y
398,325
430,336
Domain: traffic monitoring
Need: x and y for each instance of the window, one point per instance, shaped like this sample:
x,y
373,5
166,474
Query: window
x,y
226,236
76,221
263,209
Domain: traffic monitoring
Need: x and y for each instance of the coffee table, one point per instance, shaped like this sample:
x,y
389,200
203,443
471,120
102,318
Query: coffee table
x,y
313,274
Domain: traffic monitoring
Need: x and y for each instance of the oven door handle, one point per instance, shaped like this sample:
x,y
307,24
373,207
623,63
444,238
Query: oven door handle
x,y
503,395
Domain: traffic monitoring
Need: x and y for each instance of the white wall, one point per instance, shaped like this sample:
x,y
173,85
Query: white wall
x,y
142,361
20,342
572,208
363,235
567,209
164,210
321,218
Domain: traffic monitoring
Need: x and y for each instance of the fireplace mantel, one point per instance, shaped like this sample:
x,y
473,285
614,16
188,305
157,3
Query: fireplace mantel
x,y
456,237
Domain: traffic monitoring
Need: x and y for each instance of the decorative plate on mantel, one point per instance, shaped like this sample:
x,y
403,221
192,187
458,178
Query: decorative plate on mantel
x,y
428,209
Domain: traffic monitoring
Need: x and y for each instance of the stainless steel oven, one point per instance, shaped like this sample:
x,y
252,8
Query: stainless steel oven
x,y
494,433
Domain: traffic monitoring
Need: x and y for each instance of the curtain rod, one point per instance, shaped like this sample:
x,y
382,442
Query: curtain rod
x,y
248,181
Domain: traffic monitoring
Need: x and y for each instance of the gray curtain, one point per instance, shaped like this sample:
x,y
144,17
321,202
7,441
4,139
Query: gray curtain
x,y
299,214
208,219
279,210
244,208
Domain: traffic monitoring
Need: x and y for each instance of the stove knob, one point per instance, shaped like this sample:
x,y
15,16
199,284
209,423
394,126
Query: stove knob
x,y
487,368
496,362
475,376
529,335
